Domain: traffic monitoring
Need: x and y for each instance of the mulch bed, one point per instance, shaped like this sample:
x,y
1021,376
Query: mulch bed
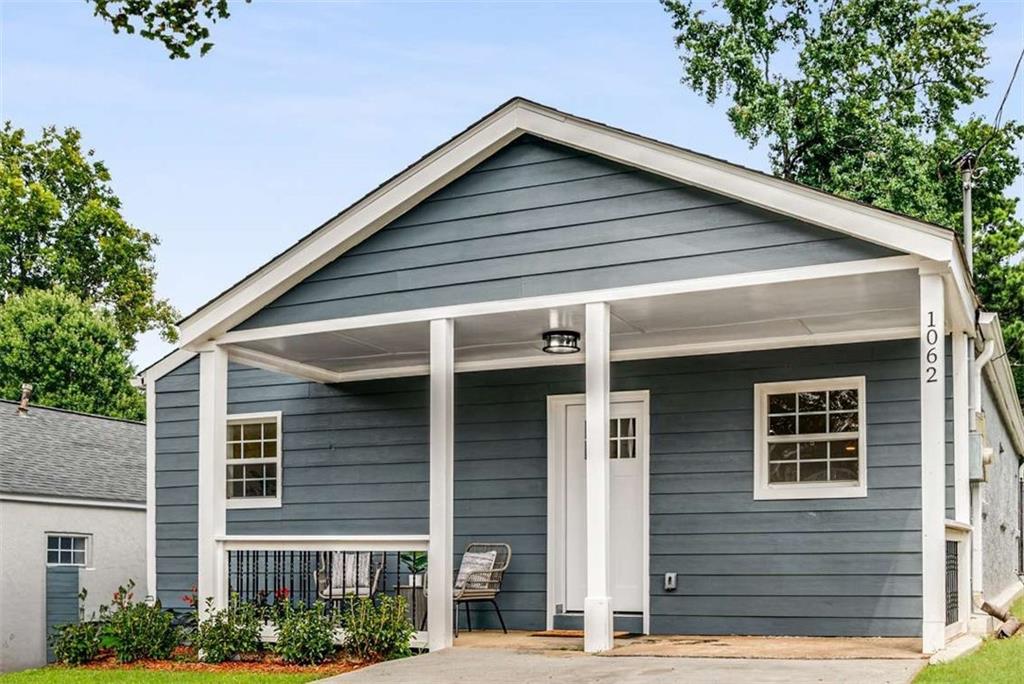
x,y
184,660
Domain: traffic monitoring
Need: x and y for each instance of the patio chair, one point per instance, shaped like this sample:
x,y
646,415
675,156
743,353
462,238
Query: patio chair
x,y
479,579
348,574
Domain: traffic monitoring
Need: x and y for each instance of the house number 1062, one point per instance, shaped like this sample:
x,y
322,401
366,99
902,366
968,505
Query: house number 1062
x,y
931,356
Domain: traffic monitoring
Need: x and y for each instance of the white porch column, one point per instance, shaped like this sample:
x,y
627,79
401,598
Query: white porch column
x,y
213,405
442,427
597,606
933,460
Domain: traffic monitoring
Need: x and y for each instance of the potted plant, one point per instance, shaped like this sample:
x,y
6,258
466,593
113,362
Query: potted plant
x,y
416,563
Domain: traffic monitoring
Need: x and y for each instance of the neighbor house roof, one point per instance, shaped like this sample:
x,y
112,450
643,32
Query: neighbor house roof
x,y
52,453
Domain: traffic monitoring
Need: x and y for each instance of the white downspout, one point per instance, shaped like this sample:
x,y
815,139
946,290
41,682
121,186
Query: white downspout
x,y
977,537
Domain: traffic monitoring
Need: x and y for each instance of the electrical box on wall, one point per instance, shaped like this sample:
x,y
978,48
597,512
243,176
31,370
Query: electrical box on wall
x,y
981,452
670,581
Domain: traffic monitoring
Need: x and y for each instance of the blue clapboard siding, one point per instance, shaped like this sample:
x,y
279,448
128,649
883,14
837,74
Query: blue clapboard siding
x,y
538,218
177,493
355,462
61,601
355,456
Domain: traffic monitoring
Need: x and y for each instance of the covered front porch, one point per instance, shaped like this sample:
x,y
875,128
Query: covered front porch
x,y
444,427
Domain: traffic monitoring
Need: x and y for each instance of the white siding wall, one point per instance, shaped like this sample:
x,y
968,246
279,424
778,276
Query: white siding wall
x,y
118,553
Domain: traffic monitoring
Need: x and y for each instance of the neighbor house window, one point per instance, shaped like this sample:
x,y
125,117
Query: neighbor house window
x,y
66,549
810,439
254,460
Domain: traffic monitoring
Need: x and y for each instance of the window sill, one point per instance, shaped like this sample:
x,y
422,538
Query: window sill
x,y
252,503
784,492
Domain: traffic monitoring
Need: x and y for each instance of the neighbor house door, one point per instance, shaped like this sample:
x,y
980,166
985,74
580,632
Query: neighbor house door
x,y
628,438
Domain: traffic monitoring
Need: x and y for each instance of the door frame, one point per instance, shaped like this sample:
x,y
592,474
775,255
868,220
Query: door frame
x,y
556,503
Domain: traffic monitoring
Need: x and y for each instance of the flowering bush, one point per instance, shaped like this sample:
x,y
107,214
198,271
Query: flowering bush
x,y
228,633
136,630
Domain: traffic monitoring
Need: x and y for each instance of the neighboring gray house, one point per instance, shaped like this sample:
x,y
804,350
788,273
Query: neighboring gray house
x,y
778,423
72,495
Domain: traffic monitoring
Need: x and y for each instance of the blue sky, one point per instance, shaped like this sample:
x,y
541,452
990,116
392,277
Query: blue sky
x,y
304,106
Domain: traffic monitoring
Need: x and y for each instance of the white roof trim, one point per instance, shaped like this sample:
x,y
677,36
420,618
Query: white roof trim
x,y
1000,374
165,365
495,131
62,501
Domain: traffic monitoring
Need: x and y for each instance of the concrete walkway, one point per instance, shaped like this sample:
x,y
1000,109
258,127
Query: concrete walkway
x,y
496,666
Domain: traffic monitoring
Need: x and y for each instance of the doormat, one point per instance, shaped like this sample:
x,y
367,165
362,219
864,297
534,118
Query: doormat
x,y
575,634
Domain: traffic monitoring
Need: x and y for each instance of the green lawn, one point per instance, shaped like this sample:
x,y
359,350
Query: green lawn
x,y
65,675
998,661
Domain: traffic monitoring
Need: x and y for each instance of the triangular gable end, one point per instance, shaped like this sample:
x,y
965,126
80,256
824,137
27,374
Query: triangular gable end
x,y
494,132
539,218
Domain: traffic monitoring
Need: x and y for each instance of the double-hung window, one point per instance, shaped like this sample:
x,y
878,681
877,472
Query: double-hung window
x,y
253,460
809,439
67,549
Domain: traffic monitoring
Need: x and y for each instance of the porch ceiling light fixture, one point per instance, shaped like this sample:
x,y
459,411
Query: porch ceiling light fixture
x,y
561,341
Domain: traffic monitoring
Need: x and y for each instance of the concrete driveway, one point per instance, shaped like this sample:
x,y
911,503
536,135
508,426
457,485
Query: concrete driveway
x,y
471,665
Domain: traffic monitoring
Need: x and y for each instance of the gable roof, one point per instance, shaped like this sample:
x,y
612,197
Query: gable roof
x,y
520,116
55,453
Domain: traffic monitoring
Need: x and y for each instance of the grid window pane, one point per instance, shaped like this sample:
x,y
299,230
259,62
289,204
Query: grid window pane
x,y
782,472
782,451
821,414
782,425
812,401
813,471
65,550
812,424
782,403
255,445
622,438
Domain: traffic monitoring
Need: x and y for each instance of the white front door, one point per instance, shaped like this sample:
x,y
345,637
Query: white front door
x,y
628,434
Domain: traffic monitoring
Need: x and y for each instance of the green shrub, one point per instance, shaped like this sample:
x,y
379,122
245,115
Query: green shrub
x,y
227,633
76,643
137,630
305,636
378,629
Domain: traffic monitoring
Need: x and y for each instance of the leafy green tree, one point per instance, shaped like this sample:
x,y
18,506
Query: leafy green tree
x,y
860,98
70,352
61,224
178,24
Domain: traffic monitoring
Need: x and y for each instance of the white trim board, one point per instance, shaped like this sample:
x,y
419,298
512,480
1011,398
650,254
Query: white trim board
x,y
61,501
515,118
610,295
695,349
555,567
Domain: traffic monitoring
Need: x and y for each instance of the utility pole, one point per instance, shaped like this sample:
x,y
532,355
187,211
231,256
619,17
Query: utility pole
x,y
965,163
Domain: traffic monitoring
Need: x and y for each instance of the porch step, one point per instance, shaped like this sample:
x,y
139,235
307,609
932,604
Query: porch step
x,y
626,622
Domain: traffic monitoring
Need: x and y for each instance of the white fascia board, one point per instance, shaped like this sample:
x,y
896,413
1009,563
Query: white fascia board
x,y
62,501
1000,374
504,125
166,365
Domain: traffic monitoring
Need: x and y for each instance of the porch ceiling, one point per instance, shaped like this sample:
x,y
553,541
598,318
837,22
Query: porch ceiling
x,y
788,313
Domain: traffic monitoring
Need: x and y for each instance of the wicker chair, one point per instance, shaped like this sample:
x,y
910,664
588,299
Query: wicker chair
x,y
348,574
480,581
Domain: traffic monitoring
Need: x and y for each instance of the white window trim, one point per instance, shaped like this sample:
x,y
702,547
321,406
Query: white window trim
x,y
802,490
256,502
76,535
